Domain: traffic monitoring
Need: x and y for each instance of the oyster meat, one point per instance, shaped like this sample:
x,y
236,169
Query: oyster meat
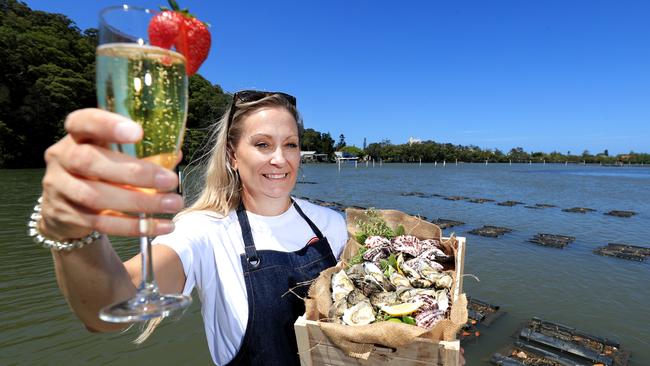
x,y
341,285
360,314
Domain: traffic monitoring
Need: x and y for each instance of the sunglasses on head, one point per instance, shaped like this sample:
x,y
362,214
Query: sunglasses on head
x,y
247,96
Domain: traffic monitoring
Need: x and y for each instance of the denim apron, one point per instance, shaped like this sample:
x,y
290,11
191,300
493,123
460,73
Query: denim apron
x,y
269,274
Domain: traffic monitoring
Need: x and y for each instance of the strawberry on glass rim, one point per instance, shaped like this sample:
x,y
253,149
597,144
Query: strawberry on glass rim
x,y
180,29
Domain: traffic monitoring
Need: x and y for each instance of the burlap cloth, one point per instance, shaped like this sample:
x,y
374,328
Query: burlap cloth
x,y
358,341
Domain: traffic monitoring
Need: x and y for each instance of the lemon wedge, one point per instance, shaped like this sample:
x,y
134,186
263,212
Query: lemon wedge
x,y
401,309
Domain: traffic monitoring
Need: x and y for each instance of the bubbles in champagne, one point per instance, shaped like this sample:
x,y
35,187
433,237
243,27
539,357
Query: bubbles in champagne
x,y
148,85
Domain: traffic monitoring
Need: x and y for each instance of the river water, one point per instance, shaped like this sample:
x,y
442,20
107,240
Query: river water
x,y
601,295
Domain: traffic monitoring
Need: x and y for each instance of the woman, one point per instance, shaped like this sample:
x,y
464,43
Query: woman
x,y
245,244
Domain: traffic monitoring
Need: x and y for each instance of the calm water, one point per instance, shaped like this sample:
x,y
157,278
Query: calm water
x,y
605,296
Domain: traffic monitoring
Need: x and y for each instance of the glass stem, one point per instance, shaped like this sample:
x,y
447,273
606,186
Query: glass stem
x,y
148,284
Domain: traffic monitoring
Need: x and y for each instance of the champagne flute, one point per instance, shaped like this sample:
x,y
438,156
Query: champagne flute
x,y
148,85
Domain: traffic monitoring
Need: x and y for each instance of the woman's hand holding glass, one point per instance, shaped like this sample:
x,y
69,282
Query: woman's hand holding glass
x,y
86,184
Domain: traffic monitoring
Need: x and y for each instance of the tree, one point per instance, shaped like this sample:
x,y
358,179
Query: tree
x,y
327,145
310,140
341,142
48,71
352,150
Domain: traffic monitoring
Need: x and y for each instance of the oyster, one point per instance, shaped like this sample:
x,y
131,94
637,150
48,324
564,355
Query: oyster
x,y
408,244
428,302
431,243
424,265
396,279
355,297
435,254
370,285
371,269
380,299
421,283
406,294
444,281
338,308
410,272
427,319
376,241
341,285
360,314
442,298
376,254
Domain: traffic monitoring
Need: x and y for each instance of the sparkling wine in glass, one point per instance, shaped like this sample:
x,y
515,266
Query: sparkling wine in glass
x,y
148,85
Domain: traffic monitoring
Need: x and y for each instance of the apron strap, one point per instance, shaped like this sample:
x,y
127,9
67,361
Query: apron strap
x,y
249,245
313,226
247,235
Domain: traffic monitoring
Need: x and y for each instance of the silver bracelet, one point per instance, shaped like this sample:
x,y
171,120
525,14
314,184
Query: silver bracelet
x,y
67,245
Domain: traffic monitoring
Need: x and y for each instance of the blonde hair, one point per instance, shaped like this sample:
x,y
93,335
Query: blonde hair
x,y
221,192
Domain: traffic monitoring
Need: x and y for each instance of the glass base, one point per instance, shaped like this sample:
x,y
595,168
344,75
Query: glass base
x,y
142,308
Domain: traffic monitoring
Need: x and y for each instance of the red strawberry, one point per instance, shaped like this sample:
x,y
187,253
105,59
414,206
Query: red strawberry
x,y
164,27
182,30
193,42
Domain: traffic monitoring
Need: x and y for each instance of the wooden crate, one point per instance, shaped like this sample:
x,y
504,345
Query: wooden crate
x,y
315,349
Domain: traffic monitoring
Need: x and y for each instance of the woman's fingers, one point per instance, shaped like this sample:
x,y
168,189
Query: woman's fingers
x,y
96,195
80,222
64,219
96,162
101,127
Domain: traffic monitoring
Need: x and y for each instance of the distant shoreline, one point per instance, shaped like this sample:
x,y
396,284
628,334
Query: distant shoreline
x,y
483,163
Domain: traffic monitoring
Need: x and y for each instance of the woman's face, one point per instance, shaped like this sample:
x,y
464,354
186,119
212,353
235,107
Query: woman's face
x,y
267,155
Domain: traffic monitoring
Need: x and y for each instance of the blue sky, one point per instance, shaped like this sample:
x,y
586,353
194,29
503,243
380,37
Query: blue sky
x,y
565,75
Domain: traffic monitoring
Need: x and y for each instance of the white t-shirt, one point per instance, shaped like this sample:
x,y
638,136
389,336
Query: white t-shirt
x,y
210,247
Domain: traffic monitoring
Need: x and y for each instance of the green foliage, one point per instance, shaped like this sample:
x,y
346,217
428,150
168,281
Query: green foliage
x,y
374,225
388,265
358,258
312,140
352,150
430,151
399,230
48,70
207,102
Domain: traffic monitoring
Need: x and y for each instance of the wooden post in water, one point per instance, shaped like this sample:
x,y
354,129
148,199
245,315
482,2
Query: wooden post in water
x,y
339,162
420,161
